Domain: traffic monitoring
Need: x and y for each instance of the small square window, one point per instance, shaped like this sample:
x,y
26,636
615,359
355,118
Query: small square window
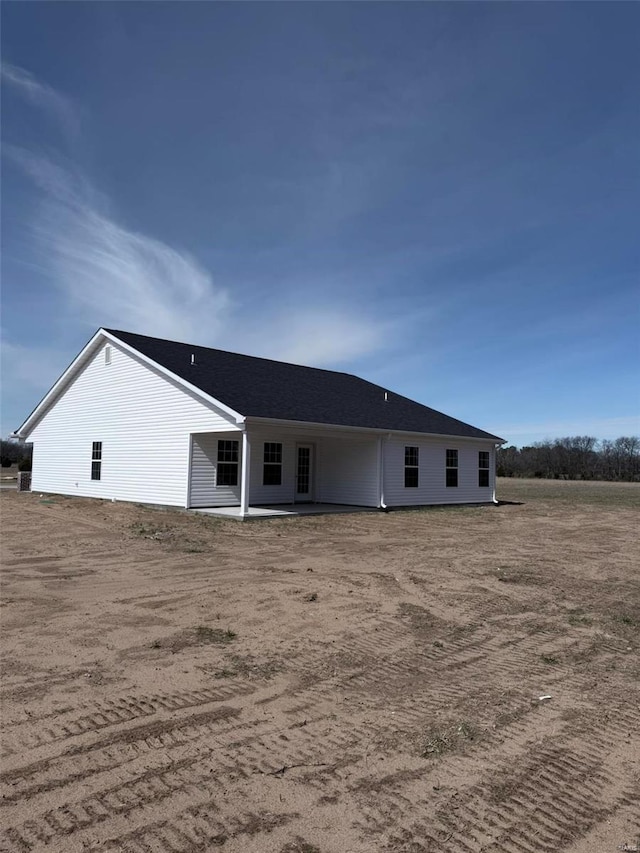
x,y
411,456
228,451
272,475
227,474
411,479
273,452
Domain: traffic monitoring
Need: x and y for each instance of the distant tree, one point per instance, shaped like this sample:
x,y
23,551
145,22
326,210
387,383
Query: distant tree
x,y
508,462
579,457
627,450
14,450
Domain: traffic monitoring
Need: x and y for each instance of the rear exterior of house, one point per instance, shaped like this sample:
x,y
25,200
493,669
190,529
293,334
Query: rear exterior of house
x,y
119,425
294,465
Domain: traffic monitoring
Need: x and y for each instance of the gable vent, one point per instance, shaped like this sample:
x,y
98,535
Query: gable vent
x,y
193,359
107,354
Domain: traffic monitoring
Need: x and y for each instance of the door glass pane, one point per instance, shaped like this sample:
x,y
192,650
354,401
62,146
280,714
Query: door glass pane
x,y
304,470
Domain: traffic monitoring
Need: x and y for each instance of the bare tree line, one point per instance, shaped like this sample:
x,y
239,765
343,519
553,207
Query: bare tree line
x,y
580,457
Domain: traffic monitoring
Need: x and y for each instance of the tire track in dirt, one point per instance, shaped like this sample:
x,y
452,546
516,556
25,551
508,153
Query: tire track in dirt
x,y
475,661
124,710
197,828
198,736
253,754
83,761
213,761
557,794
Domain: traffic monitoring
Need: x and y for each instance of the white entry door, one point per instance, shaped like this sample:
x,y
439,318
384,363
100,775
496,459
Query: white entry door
x,y
304,472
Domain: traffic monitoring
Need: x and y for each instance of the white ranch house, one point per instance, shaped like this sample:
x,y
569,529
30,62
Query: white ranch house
x,y
136,418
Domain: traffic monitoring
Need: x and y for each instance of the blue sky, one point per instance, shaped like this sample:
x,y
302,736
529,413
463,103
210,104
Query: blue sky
x,y
443,198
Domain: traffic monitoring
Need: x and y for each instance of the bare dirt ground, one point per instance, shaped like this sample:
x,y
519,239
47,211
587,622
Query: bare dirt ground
x,y
176,683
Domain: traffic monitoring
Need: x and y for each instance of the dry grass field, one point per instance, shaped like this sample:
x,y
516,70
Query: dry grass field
x,y
175,683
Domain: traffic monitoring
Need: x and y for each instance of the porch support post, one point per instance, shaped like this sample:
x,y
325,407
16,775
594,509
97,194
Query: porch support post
x,y
189,470
381,503
244,482
494,471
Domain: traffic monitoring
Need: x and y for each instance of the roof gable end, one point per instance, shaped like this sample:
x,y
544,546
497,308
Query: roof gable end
x,y
79,362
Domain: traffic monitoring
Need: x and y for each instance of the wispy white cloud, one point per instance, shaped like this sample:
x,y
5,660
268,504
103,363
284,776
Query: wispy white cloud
x,y
111,276
108,275
41,95
316,336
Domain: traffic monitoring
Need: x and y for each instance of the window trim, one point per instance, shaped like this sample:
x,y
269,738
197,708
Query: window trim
x,y
96,460
273,465
484,471
411,469
451,468
231,465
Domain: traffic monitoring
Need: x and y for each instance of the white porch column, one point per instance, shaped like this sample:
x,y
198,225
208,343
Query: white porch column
x,y
494,471
381,447
245,478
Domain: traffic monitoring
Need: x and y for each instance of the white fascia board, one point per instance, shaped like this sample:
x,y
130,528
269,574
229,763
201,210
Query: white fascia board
x,y
373,430
193,388
24,430
231,429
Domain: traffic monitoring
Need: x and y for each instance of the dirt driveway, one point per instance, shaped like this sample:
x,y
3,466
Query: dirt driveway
x,y
347,684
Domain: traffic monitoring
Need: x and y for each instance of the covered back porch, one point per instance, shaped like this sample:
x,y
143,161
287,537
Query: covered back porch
x,y
274,470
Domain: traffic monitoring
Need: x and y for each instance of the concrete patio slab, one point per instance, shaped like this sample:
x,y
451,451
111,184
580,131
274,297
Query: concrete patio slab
x,y
281,510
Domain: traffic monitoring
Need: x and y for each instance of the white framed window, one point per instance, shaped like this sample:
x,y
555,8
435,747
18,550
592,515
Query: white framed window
x,y
96,460
272,465
411,469
452,468
228,456
107,354
483,468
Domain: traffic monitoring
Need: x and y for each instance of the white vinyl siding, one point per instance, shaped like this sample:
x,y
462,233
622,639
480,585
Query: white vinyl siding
x,y
143,420
349,471
432,488
284,493
204,490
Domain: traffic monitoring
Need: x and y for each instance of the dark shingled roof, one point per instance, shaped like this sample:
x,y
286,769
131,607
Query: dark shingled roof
x,y
263,388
